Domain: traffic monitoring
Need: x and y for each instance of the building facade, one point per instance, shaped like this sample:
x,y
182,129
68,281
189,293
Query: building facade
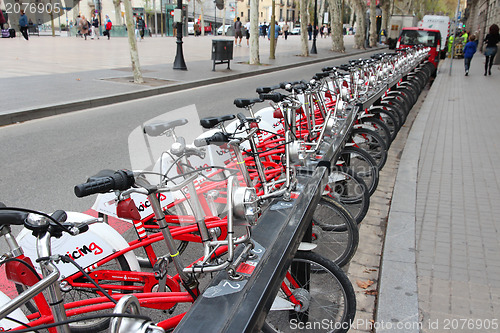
x,y
285,11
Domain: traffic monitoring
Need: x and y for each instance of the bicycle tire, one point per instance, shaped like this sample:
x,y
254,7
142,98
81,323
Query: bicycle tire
x,y
379,127
399,104
362,164
338,306
389,116
350,190
372,143
334,231
90,326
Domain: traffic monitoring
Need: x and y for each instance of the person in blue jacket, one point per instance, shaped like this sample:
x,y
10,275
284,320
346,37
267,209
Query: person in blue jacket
x,y
23,24
469,50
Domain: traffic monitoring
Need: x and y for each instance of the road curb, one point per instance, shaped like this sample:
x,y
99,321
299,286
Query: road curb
x,y
16,116
397,308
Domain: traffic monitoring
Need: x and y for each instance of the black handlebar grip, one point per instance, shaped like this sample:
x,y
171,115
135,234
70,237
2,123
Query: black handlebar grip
x,y
216,139
275,97
263,90
120,180
242,117
98,185
59,215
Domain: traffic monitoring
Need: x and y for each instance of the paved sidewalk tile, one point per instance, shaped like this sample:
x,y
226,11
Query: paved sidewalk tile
x,y
457,207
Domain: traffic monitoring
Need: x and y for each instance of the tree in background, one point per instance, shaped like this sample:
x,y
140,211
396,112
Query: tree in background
x,y
254,33
337,25
304,15
359,7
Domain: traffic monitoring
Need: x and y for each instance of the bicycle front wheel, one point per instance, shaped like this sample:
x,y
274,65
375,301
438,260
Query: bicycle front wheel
x,y
334,231
316,291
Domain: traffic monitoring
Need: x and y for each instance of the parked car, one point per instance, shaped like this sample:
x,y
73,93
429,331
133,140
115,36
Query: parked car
x,y
219,31
420,36
295,31
190,28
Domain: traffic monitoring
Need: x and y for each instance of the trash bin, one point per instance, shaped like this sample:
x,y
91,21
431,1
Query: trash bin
x,y
222,52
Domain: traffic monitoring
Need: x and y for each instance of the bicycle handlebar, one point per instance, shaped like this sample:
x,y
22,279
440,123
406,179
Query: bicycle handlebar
x,y
275,97
216,139
120,180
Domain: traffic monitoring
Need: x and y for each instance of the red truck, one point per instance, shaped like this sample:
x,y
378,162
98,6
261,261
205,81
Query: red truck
x,y
422,36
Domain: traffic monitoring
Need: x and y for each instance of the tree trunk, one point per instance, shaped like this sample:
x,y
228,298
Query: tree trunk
x,y
321,13
224,20
337,26
359,38
118,12
254,33
386,7
134,53
303,28
373,24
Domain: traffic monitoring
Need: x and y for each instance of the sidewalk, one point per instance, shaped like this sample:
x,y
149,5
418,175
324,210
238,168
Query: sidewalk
x,y
441,265
51,75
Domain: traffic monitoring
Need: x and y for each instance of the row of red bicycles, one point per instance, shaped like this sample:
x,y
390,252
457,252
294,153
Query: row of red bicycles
x,y
192,209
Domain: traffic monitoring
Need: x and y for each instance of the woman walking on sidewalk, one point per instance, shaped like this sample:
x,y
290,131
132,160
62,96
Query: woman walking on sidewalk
x,y
469,50
491,40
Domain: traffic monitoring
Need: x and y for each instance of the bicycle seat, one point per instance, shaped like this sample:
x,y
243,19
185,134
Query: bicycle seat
x,y
159,128
210,122
244,102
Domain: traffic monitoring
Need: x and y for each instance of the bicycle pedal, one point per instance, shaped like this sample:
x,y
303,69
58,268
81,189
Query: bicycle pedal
x,y
160,268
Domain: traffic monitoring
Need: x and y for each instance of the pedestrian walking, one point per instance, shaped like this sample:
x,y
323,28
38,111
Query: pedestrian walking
x,y
108,27
23,24
247,28
285,30
84,26
277,30
491,40
95,26
140,25
309,30
237,31
469,50
264,29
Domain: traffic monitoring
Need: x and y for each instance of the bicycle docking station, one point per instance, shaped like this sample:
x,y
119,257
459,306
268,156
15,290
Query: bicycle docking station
x,y
242,306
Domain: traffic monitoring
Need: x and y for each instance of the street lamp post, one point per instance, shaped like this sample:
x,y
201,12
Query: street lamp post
x,y
313,48
179,62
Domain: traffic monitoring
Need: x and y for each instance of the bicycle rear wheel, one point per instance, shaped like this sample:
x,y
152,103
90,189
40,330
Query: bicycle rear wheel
x,y
322,291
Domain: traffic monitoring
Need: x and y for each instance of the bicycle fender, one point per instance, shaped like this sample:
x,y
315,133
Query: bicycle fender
x,y
99,242
17,314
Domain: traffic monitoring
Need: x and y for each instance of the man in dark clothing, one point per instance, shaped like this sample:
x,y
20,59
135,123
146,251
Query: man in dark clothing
x,y
237,31
141,25
23,24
